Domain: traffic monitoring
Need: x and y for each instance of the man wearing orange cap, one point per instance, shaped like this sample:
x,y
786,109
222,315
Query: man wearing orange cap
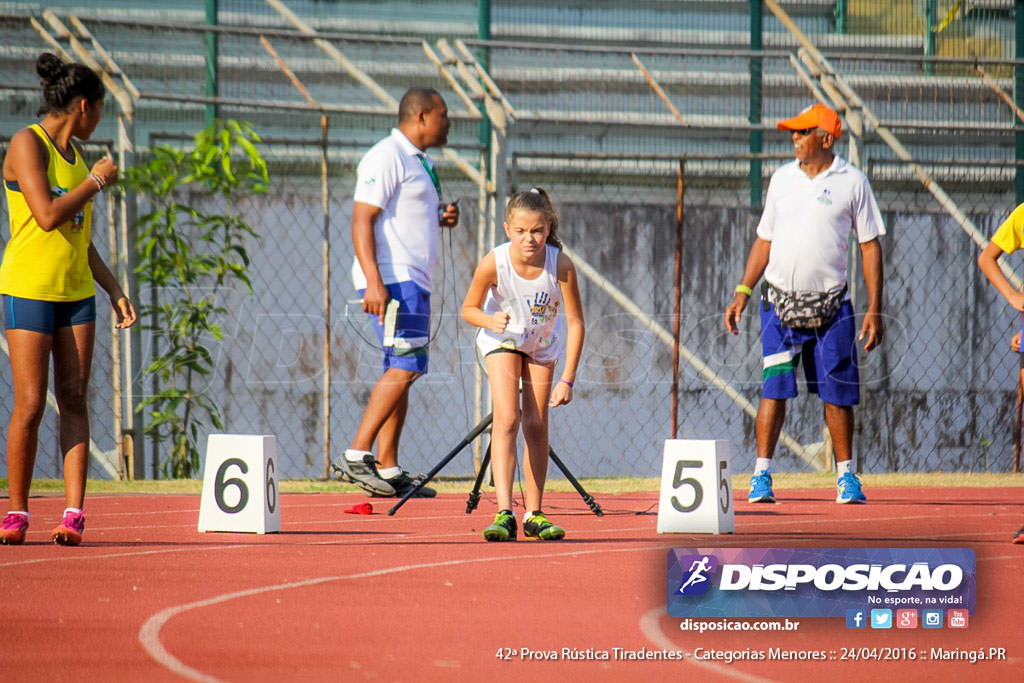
x,y
812,206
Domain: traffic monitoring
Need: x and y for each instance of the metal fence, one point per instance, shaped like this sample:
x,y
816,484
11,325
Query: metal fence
x,y
938,395
590,127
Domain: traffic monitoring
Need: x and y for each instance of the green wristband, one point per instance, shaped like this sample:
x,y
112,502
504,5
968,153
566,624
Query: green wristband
x,y
743,289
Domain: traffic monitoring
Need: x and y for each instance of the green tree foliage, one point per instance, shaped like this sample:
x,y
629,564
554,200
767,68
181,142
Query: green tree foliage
x,y
192,255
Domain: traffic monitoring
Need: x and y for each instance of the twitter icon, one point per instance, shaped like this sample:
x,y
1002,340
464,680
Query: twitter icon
x,y
881,618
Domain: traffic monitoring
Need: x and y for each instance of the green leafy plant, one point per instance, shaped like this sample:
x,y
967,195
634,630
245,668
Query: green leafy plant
x,y
191,246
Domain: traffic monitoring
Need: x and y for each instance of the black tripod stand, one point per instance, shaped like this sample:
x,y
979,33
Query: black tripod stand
x,y
474,496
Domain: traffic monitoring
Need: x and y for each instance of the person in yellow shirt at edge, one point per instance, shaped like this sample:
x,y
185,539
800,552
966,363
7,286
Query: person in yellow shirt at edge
x,y
1008,239
46,283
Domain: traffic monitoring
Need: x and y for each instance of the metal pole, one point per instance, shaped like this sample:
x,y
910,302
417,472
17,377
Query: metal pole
x,y
680,185
487,205
490,191
115,346
479,381
1017,423
325,192
211,59
931,18
658,90
1003,95
840,16
154,378
134,422
483,32
756,142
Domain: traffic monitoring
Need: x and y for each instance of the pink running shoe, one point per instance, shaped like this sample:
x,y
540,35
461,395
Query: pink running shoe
x,y
13,528
70,530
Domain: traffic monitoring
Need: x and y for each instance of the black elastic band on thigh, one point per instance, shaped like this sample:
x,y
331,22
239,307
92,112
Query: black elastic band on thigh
x,y
504,350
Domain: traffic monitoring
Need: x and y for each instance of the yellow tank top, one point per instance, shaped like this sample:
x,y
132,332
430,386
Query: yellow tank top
x,y
54,265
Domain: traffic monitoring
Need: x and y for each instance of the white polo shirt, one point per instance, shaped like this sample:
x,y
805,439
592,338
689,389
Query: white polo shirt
x,y
392,178
809,220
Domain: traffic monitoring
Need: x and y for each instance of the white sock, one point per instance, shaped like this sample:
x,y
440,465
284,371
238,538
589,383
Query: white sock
x,y
74,511
23,513
844,467
389,472
353,455
763,466
527,515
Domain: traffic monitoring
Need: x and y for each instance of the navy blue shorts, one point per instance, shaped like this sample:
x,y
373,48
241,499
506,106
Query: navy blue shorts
x,y
828,355
46,316
405,337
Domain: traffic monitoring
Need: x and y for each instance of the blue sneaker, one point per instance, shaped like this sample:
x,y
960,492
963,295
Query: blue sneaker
x,y
761,489
849,489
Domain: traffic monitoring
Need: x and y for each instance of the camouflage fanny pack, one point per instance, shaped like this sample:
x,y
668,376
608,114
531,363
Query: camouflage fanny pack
x,y
804,310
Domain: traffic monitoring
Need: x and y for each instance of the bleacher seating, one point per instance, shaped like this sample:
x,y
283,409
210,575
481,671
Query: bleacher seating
x,y
565,68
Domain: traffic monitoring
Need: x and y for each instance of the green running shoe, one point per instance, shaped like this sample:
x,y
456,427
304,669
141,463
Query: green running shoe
x,y
538,526
503,528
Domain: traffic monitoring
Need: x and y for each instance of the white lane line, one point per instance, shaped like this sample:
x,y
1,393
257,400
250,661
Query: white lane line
x,y
74,557
650,626
784,541
149,634
295,527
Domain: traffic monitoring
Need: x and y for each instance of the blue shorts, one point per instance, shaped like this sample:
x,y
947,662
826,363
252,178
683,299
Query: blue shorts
x,y
46,316
406,343
828,354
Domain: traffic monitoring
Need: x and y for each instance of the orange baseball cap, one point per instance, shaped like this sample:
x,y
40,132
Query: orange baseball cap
x,y
815,116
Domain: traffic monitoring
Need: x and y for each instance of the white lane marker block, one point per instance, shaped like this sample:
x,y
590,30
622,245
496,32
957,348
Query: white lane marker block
x,y
696,488
240,490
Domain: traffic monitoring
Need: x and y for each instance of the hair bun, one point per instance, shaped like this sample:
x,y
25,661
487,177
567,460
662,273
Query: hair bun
x,y
50,67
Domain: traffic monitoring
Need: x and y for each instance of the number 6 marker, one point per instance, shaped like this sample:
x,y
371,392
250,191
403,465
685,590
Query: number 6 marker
x,y
240,484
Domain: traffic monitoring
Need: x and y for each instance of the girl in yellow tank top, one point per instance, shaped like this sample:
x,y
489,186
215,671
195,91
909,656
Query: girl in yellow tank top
x,y
49,266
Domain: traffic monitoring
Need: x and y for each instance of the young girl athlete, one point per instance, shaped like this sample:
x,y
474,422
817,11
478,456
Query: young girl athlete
x,y
46,280
525,282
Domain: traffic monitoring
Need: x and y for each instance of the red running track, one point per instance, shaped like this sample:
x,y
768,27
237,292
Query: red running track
x,y
421,597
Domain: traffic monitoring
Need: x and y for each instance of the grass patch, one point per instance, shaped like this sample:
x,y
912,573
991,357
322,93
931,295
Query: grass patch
x,y
605,485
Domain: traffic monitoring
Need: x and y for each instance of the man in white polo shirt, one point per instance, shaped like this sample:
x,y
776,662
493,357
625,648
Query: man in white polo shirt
x,y
396,218
813,205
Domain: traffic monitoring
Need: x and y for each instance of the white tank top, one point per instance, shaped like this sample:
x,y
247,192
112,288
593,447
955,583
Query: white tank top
x,y
532,306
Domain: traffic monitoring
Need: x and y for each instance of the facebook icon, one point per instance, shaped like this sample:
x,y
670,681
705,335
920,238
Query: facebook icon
x,y
856,618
